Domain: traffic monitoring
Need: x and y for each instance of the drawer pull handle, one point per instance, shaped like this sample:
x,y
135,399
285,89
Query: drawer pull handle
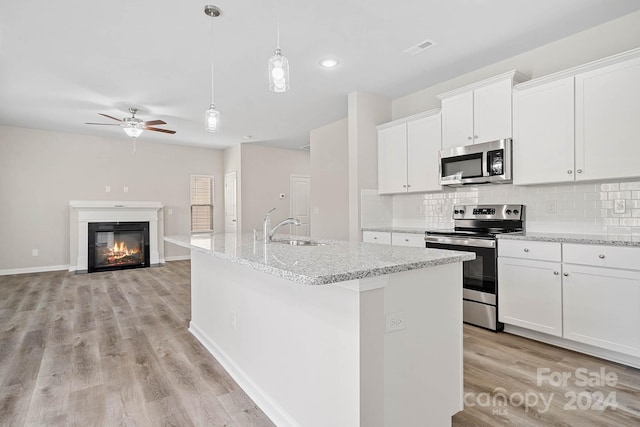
x,y
375,238
556,273
526,249
601,256
565,274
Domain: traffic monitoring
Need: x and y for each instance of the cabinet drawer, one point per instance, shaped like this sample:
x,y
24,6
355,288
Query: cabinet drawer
x,y
382,237
527,249
408,239
602,256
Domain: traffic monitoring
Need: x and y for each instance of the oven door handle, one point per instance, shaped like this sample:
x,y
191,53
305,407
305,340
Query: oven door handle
x,y
461,241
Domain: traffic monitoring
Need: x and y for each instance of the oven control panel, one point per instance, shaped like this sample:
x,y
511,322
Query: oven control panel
x,y
490,212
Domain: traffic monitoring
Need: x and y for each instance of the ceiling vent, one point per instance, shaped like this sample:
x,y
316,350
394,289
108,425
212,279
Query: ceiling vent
x,y
420,47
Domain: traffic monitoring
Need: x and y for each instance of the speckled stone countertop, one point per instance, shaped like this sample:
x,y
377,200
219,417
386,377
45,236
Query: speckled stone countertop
x,y
410,230
332,262
587,239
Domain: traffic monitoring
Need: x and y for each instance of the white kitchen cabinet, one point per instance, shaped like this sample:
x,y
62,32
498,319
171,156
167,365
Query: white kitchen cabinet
x,y
382,237
479,112
543,132
607,121
579,124
602,307
408,154
530,285
408,239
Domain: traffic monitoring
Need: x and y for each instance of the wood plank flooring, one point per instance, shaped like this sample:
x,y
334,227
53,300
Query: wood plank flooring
x,y
112,348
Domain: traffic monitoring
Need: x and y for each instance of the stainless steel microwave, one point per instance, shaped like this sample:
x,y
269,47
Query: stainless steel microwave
x,y
484,163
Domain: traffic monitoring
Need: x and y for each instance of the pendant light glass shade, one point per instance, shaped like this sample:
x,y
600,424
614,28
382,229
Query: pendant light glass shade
x,y
278,72
212,119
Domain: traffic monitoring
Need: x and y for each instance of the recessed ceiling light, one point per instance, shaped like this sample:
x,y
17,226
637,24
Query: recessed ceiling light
x,y
329,63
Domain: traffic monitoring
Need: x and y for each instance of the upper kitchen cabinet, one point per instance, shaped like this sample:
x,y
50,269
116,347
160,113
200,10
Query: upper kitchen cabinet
x,y
408,154
579,124
543,132
479,112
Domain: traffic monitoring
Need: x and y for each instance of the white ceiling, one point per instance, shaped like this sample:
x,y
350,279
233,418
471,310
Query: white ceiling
x,y
62,62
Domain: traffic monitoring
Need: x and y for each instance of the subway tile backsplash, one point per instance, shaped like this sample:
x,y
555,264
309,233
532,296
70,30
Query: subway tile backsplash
x,y
584,208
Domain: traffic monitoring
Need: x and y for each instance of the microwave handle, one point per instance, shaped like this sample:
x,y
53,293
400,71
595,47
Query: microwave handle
x,y
485,161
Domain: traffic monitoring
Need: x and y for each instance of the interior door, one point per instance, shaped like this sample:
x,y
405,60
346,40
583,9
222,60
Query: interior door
x,y
300,189
230,203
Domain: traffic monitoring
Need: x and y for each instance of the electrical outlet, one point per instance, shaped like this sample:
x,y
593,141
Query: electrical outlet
x,y
170,211
34,252
233,320
619,206
107,189
394,322
125,189
551,207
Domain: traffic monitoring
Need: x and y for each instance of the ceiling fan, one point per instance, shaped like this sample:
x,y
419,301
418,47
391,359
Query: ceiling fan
x,y
134,126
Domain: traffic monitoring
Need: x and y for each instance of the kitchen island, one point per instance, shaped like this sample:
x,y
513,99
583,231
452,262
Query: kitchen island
x,y
338,334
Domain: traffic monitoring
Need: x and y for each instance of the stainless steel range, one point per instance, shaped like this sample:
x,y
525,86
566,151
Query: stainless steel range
x,y
476,228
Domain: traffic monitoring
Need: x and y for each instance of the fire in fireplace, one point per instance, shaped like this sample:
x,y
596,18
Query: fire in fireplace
x,y
118,245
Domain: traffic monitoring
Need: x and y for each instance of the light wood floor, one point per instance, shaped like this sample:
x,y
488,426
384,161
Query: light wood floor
x,y
112,348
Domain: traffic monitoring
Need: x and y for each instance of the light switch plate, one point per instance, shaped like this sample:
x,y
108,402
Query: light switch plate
x,y
619,206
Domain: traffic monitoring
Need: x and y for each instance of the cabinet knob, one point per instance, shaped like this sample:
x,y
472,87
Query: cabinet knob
x,y
469,138
526,249
375,238
408,185
565,274
404,186
579,171
569,171
556,273
601,256
406,240
475,136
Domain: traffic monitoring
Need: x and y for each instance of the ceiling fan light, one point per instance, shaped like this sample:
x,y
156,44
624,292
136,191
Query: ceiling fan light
x,y
212,119
278,72
133,131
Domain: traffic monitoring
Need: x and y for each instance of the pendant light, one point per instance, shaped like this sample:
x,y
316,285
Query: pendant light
x,y
212,116
278,67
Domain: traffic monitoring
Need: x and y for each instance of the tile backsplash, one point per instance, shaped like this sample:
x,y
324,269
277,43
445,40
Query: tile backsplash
x,y
584,208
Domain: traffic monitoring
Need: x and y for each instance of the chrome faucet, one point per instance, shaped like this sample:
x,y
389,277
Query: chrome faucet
x,y
269,232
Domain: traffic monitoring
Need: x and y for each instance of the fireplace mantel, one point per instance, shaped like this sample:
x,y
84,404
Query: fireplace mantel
x,y
82,212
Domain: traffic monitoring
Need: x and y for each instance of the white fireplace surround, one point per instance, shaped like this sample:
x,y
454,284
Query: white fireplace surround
x,y
83,212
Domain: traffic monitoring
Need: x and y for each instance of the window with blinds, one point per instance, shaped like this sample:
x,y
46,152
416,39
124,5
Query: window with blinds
x,y
201,203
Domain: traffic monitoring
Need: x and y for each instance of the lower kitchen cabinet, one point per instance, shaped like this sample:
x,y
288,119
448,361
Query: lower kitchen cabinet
x,y
530,294
408,239
382,237
602,307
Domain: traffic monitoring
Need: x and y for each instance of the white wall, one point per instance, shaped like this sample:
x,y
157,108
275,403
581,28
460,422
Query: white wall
x,y
41,171
607,39
330,181
366,111
265,173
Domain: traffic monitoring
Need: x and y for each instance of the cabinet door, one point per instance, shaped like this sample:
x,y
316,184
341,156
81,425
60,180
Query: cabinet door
x,y
457,120
530,294
602,307
543,123
392,159
423,144
607,122
492,112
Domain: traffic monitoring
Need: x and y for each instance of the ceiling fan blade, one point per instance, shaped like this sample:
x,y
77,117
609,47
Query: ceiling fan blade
x,y
160,130
155,122
111,117
103,124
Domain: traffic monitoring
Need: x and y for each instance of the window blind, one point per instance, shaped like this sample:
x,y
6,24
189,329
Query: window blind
x,y
201,203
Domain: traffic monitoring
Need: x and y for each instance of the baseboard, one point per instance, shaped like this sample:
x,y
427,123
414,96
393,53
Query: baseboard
x,y
177,258
591,350
43,269
274,411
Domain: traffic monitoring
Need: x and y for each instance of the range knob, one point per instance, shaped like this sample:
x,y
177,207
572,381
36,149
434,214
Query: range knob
x,y
456,211
516,211
461,211
508,211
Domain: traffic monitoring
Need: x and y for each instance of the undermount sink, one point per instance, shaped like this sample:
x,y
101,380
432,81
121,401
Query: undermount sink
x,y
296,242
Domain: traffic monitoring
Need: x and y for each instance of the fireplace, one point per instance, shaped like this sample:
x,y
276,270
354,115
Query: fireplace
x,y
117,245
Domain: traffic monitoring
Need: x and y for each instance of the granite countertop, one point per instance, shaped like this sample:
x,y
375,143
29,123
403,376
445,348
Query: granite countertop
x,y
588,239
334,261
410,230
